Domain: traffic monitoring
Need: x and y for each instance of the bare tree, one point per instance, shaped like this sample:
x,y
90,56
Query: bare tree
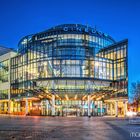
x,y
135,91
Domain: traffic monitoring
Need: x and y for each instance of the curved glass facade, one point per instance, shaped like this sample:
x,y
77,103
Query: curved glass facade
x,y
60,55
70,61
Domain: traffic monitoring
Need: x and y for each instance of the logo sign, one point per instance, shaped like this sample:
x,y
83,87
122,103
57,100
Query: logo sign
x,y
85,29
135,134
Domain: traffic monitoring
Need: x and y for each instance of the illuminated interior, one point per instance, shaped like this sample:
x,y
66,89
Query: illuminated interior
x,y
69,63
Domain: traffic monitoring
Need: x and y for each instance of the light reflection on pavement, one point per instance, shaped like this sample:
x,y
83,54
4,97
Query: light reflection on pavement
x,y
66,128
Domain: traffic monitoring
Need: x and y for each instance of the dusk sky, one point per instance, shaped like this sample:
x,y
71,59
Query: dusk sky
x,y
119,18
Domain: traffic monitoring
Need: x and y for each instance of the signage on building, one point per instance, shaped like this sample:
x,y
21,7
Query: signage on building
x,y
85,29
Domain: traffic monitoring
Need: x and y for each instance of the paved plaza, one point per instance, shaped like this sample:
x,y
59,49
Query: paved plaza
x,y
66,128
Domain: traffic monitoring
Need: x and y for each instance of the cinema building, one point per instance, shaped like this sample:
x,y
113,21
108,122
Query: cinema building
x,y
69,69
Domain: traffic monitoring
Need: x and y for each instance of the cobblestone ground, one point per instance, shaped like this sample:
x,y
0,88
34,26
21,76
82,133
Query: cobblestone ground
x,y
66,128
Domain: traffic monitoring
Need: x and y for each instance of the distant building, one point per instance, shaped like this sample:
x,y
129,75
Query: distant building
x,y
5,57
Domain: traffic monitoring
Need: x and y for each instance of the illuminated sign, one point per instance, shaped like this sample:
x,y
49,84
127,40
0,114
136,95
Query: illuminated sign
x,y
85,29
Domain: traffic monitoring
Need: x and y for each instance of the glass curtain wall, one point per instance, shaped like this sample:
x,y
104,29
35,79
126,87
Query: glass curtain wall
x,y
59,56
70,60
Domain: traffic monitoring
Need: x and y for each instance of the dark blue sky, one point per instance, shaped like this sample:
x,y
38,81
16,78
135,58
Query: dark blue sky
x,y
118,18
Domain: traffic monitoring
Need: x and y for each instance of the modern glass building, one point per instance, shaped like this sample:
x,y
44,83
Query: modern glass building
x,y
69,69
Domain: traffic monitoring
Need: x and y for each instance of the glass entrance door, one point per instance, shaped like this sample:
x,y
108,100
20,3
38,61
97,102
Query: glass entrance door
x,y
69,112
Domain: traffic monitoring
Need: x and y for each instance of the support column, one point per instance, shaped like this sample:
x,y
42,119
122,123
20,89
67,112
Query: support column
x,y
26,106
107,108
47,108
116,108
83,108
125,108
9,107
42,108
30,106
98,106
111,109
53,105
9,101
18,107
101,108
93,108
89,114
5,107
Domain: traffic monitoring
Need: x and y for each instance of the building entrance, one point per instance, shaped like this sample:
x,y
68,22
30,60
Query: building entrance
x,y
71,112
76,108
